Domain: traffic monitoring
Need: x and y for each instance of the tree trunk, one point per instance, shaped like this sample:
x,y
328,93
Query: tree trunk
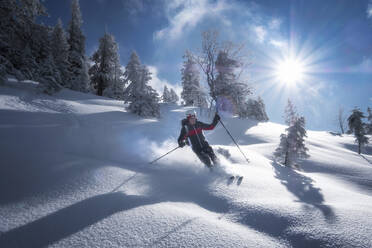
x,y
99,91
286,158
99,87
359,147
341,126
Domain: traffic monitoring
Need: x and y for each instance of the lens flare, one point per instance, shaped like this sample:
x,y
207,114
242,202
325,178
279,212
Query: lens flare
x,y
290,71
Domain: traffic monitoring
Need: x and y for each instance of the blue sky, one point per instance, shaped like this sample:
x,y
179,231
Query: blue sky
x,y
331,39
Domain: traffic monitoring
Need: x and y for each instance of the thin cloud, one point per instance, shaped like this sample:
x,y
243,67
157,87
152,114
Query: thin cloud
x,y
260,32
275,24
277,43
133,7
185,15
369,9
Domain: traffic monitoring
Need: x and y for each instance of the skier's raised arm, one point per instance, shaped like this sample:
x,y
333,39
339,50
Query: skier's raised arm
x,y
211,126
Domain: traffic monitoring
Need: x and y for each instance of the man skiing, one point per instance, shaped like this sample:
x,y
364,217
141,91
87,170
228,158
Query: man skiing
x,y
192,130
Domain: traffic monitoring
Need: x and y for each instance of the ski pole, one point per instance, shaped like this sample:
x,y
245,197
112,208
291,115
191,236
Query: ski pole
x,y
234,141
164,155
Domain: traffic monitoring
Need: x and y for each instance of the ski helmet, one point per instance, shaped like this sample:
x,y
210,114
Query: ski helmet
x,y
190,113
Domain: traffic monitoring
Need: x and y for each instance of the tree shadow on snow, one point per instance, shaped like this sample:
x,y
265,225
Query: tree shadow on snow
x,y
302,187
354,147
67,221
370,162
277,225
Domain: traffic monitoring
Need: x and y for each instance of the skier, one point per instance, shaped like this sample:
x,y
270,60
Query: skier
x,y
192,130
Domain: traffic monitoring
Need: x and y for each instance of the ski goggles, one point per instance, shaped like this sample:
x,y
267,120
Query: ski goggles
x,y
191,116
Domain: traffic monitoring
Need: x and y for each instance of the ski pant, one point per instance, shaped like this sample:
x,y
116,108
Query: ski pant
x,y
206,155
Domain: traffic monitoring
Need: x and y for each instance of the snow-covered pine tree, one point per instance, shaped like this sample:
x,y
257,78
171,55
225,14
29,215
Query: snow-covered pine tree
x,y
292,145
191,94
106,73
173,97
290,113
227,84
116,89
282,151
18,31
357,126
78,69
166,95
49,83
369,118
132,70
262,110
60,52
142,98
37,38
9,28
29,68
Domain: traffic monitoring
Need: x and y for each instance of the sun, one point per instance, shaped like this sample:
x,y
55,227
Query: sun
x,y
290,71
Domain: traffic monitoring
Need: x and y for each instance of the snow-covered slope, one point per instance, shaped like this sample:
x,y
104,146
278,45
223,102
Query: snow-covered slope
x,y
75,172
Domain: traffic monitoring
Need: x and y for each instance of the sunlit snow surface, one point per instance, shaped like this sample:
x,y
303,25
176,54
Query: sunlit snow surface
x,y
75,172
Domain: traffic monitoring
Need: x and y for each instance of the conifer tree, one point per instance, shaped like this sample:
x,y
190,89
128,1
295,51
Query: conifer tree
x,y
192,93
49,83
25,46
357,127
78,70
166,95
292,144
105,73
173,97
132,69
369,118
18,31
142,98
60,52
290,113
227,84
254,109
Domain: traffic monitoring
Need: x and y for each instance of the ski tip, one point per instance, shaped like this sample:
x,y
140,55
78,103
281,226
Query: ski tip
x,y
240,179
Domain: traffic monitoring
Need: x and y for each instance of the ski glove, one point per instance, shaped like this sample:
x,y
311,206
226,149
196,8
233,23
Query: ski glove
x,y
216,117
181,143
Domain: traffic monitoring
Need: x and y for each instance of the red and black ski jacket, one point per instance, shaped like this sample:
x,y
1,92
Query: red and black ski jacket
x,y
195,133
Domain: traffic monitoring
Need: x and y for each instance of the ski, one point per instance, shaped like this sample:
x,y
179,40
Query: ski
x,y
238,179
